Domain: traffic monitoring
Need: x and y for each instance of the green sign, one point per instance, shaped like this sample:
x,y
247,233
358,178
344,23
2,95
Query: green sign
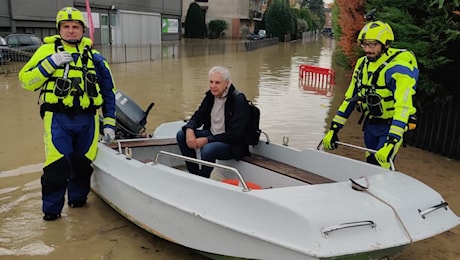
x,y
169,25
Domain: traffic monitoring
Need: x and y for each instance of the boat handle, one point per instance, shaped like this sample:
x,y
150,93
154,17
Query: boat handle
x,y
326,230
427,211
210,164
120,141
392,165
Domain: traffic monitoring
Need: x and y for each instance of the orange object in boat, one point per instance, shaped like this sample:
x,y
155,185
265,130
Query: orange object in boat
x,y
250,185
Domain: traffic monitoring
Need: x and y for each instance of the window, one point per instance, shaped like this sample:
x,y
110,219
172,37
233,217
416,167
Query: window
x,y
13,41
113,20
35,40
24,40
104,19
105,35
107,22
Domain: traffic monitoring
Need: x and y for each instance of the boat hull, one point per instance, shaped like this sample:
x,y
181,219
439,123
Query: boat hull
x,y
190,229
287,219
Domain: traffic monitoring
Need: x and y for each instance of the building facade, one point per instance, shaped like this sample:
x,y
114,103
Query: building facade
x,y
120,22
240,15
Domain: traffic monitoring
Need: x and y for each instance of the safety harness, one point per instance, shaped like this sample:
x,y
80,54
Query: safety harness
x,y
71,86
372,99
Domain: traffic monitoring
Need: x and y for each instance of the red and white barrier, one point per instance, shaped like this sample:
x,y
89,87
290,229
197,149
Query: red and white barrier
x,y
317,79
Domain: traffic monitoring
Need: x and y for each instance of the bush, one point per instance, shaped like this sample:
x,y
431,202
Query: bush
x,y
244,31
216,28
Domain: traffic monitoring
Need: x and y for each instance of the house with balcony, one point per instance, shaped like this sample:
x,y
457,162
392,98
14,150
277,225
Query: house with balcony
x,y
240,15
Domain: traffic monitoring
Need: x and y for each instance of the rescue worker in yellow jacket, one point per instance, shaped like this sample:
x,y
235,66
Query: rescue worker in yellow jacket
x,y
74,80
382,89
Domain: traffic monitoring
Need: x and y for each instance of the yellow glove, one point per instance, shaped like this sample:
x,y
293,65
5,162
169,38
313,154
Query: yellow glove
x,y
384,154
330,139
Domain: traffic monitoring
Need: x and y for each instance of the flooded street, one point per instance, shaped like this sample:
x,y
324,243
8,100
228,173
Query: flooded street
x,y
267,76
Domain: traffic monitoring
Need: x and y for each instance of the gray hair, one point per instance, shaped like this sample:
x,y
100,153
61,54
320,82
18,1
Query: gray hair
x,y
221,70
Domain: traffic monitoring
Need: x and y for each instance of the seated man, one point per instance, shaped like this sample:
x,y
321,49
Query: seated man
x,y
219,125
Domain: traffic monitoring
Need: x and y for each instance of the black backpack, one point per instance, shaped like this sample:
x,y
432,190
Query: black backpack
x,y
253,130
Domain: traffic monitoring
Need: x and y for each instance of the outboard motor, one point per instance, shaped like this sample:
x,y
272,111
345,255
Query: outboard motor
x,y
131,119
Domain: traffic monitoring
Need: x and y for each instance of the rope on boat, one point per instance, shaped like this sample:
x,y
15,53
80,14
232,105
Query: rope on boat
x,y
358,187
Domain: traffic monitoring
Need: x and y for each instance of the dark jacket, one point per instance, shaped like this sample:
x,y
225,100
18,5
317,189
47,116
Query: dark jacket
x,y
236,121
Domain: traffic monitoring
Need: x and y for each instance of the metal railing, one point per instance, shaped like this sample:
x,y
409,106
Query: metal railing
x,y
124,53
12,60
201,162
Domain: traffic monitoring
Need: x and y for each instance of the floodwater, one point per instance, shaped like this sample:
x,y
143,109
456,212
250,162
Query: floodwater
x,y
267,76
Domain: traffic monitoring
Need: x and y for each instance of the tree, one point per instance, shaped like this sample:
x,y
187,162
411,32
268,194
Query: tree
x,y
351,21
278,19
294,27
429,28
301,16
432,31
308,16
195,26
302,25
316,7
216,28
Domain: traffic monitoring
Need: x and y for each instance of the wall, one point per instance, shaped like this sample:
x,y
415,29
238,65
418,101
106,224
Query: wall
x,y
39,19
138,28
28,17
4,16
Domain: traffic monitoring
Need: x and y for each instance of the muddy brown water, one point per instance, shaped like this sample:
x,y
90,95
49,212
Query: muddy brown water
x,y
268,76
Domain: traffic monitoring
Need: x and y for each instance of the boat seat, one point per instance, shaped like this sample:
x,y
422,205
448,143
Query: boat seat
x,y
144,142
287,170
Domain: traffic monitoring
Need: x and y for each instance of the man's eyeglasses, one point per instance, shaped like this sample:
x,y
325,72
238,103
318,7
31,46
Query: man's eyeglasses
x,y
369,44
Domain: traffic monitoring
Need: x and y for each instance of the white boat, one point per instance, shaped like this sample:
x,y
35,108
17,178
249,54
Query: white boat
x,y
311,205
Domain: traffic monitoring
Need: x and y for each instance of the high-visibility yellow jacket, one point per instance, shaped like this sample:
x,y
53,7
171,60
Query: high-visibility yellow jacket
x,y
40,73
386,96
